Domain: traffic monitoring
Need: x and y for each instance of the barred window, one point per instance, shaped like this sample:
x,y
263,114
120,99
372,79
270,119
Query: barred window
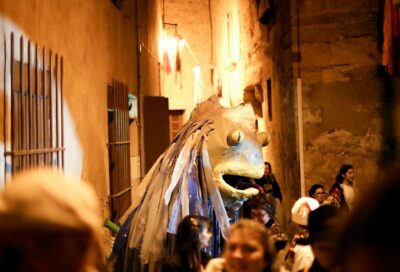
x,y
33,108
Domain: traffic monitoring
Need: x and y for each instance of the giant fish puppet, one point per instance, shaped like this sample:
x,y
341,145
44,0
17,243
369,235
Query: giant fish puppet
x,y
191,177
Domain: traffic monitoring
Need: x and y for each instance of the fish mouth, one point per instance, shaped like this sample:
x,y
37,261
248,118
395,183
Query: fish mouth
x,y
237,182
235,188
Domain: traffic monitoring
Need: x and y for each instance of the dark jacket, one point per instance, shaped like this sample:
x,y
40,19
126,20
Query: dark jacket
x,y
269,183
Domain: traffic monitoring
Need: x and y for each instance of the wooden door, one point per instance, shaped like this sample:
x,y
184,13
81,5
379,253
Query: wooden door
x,y
155,128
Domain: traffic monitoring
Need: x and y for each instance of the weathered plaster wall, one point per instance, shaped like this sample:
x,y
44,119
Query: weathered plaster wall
x,y
349,108
343,95
97,42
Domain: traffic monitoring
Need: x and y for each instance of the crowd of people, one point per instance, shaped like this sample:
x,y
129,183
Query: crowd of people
x,y
323,238
50,222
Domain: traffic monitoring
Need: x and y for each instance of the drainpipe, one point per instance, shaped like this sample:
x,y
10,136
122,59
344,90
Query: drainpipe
x,y
139,99
300,104
300,126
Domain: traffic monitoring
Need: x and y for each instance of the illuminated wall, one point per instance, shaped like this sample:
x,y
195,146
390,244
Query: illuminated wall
x,y
97,42
350,108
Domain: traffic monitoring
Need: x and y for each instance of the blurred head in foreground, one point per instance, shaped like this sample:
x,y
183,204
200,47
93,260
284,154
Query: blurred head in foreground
x,y
49,222
249,248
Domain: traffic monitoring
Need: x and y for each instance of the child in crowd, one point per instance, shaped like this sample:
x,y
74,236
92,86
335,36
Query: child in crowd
x,y
301,256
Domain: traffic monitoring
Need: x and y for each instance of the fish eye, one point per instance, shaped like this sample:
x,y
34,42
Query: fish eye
x,y
235,137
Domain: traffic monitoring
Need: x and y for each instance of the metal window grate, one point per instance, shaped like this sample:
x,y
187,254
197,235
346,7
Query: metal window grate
x,y
118,149
33,108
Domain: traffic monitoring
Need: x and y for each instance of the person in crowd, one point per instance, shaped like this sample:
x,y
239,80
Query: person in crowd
x,y
317,191
301,256
260,209
248,249
342,193
271,190
263,211
370,240
50,222
269,182
324,225
192,238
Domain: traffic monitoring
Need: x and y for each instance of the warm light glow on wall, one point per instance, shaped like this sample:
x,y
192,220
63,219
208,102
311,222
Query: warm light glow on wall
x,y
170,48
171,44
234,34
229,68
